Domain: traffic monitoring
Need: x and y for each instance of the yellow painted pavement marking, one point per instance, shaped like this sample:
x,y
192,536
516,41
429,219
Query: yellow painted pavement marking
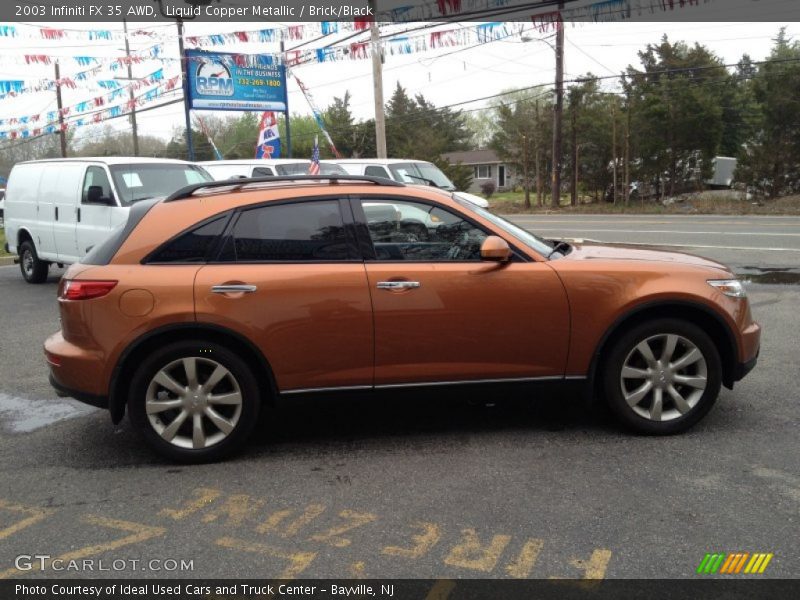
x,y
523,565
358,570
34,516
238,508
273,522
423,542
471,554
354,518
138,533
205,496
595,567
298,561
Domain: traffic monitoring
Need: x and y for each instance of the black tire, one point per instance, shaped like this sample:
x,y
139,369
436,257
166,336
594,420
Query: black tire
x,y
624,348
32,269
204,354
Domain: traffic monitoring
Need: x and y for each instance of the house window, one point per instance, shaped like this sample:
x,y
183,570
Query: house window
x,y
483,172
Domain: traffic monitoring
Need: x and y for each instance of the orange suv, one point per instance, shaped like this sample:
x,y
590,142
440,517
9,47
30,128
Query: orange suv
x,y
205,307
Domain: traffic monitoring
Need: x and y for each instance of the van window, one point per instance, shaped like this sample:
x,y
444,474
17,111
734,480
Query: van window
x,y
262,172
141,181
302,231
96,177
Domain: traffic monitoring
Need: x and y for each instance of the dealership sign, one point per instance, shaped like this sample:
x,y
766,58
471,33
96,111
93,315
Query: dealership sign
x,y
223,81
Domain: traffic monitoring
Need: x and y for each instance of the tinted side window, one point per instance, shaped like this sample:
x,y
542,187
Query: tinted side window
x,y
304,231
262,172
96,185
402,230
192,246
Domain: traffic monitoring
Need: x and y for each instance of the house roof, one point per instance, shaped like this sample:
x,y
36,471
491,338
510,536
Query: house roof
x,y
473,157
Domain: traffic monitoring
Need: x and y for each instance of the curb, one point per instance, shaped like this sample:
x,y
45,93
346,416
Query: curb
x,y
7,260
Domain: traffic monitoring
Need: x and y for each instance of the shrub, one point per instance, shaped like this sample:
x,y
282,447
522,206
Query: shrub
x,y
488,188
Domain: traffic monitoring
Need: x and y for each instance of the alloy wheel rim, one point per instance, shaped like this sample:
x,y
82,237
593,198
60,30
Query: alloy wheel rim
x,y
27,262
193,403
663,377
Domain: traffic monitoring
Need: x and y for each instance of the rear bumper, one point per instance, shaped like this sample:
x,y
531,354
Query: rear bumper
x,y
62,391
74,371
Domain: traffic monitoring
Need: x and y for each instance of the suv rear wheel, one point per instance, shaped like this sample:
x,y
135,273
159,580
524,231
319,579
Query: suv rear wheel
x,y
33,269
194,401
662,376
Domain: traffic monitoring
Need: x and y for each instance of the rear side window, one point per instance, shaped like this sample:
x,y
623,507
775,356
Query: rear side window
x,y
304,231
262,172
191,246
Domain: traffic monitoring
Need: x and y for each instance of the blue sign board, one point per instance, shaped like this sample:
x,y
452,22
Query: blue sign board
x,y
224,81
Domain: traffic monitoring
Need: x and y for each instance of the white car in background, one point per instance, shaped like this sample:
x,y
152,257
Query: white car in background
x,y
414,172
221,170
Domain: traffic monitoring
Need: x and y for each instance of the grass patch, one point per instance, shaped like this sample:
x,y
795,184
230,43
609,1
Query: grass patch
x,y
3,242
702,203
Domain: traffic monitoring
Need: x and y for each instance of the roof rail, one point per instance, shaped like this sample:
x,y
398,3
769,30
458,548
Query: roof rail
x,y
187,191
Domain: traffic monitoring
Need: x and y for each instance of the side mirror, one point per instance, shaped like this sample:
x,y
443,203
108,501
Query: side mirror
x,y
95,196
495,249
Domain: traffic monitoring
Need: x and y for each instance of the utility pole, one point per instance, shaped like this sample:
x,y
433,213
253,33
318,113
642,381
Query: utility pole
x,y
614,146
61,133
377,82
538,158
558,110
286,112
185,76
574,120
525,169
627,183
131,94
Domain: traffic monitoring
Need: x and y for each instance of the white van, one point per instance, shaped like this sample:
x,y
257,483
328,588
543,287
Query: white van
x,y
234,169
56,210
415,172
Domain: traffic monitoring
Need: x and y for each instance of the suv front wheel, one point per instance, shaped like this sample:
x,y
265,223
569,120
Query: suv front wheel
x,y
662,376
194,401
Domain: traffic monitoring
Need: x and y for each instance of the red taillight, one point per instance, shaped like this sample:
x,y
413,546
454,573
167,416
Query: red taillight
x,y
76,289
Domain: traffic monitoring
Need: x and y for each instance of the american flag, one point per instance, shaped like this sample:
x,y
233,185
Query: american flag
x,y
313,168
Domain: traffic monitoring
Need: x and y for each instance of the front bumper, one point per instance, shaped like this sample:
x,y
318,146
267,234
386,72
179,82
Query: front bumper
x,y
744,368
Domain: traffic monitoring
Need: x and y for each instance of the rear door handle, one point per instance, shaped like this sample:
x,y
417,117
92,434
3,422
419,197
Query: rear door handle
x,y
234,289
398,285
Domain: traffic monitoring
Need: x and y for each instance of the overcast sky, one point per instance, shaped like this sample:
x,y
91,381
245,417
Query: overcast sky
x,y
445,76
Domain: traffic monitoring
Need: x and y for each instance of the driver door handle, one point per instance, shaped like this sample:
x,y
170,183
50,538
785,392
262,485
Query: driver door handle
x,y
233,289
397,285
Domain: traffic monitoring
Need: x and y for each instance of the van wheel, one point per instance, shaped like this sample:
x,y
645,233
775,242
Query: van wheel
x,y
194,401
662,376
33,269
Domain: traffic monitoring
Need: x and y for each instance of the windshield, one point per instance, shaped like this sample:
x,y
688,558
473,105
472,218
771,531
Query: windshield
x,y
541,246
421,172
301,168
135,182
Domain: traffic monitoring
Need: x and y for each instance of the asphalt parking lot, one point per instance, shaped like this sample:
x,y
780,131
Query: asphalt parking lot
x,y
411,486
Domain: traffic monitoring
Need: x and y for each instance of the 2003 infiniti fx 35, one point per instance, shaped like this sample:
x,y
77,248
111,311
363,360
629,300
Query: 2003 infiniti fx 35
x,y
211,303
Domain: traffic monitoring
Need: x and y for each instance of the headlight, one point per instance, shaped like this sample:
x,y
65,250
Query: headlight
x,y
729,287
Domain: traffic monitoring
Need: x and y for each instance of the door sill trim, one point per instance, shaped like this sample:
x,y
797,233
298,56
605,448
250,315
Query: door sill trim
x,y
392,386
